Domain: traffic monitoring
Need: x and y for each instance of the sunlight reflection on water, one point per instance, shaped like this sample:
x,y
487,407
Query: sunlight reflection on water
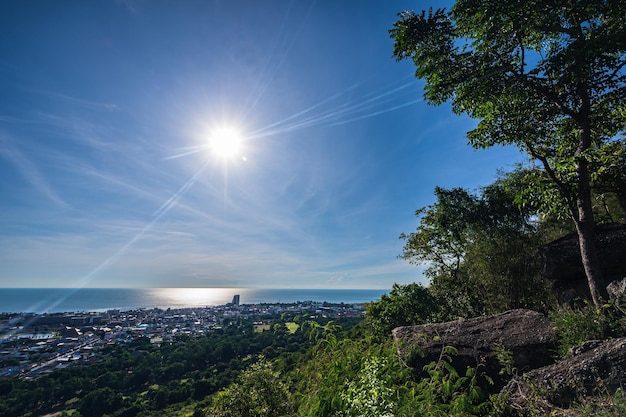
x,y
49,300
191,297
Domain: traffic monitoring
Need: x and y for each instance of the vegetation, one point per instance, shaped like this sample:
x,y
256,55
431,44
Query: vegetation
x,y
547,77
578,324
155,380
324,368
476,245
405,305
258,392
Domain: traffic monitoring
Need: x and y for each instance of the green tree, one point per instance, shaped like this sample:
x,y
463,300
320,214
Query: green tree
x,y
501,260
546,76
100,402
405,305
440,241
609,176
259,392
481,250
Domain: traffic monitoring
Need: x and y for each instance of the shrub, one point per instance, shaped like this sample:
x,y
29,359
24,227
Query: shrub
x,y
576,325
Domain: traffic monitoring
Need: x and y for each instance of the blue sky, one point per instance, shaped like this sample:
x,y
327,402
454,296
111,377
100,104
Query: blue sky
x,y
107,179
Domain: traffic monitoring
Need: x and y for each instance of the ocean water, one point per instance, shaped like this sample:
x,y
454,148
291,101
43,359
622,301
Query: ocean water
x,y
55,300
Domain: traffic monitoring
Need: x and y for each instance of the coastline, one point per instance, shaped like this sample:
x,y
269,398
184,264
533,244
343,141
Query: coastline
x,y
57,300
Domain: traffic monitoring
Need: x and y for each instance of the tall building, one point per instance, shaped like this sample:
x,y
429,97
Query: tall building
x,y
235,301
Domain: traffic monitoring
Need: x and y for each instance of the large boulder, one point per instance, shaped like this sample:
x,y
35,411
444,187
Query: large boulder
x,y
562,262
527,335
596,368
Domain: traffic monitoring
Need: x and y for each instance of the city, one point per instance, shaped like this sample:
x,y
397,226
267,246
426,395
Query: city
x,y
32,345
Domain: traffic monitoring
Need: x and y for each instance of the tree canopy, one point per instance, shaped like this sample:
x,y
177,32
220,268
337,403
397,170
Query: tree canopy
x,y
480,249
546,76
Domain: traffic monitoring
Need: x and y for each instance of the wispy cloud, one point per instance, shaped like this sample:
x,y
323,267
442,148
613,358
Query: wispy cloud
x,y
66,99
28,169
131,5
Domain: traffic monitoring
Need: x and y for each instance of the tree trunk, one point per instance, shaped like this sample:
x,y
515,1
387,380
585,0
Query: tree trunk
x,y
591,262
621,199
585,223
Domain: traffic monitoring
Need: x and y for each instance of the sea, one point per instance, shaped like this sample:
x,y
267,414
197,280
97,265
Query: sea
x,y
57,300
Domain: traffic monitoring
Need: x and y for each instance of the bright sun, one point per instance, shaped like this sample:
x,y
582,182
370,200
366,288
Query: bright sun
x,y
225,142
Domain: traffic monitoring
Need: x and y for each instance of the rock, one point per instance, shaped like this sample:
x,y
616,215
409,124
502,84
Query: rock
x,y
617,289
562,263
584,347
528,335
554,388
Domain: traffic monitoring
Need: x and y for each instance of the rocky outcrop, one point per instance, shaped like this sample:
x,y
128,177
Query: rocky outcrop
x,y
562,263
596,368
617,289
540,386
527,335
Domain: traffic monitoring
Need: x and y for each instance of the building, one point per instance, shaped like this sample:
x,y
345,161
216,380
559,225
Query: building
x,y
235,301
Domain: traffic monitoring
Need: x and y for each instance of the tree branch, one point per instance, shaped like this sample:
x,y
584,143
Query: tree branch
x,y
554,177
549,95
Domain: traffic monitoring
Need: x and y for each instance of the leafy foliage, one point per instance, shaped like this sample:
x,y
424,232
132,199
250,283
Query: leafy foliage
x,y
355,375
369,394
609,178
481,250
404,305
259,392
584,322
329,384
140,377
609,406
547,77
445,392
100,402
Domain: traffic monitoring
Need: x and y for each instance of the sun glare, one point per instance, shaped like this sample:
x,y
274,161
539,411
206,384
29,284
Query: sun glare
x,y
225,142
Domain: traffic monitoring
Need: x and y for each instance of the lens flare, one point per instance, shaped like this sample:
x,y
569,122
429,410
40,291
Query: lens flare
x,y
225,142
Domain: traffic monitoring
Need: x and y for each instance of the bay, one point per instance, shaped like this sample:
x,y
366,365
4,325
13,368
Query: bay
x,y
56,300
